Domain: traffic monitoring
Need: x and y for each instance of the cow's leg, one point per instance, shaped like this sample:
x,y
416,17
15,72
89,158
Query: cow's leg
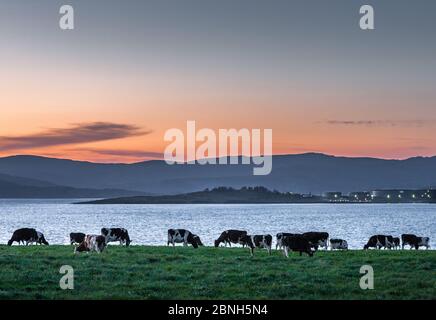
x,y
269,250
285,251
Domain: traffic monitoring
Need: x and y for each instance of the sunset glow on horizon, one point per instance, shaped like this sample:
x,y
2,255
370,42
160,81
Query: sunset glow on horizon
x,y
108,90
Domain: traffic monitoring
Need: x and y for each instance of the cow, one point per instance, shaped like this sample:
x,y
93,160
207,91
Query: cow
x,y
76,237
317,239
28,236
279,237
396,242
338,244
297,243
423,242
185,236
409,239
256,241
414,241
380,241
92,242
230,236
116,234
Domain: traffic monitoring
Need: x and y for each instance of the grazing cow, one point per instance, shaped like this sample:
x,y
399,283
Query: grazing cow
x,y
410,240
317,239
298,243
415,241
423,242
76,238
396,242
28,236
230,236
185,236
380,241
116,234
256,241
92,242
338,244
279,237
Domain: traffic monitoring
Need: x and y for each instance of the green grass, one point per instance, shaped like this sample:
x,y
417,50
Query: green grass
x,y
142,272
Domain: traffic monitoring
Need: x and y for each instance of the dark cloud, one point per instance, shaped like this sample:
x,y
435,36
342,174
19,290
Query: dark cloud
x,y
123,153
79,133
382,123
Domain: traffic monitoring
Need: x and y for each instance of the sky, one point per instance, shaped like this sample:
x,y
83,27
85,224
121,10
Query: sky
x,y
108,90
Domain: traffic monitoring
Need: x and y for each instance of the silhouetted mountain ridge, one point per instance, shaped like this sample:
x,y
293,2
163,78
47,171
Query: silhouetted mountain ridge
x,y
303,173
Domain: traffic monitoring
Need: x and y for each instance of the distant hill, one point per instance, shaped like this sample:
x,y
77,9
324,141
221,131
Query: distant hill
x,y
302,173
217,195
18,187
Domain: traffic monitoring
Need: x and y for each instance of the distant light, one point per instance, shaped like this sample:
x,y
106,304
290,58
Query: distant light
x,y
413,196
389,196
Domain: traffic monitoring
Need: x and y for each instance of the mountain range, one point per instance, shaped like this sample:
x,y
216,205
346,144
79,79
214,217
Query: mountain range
x,y
303,173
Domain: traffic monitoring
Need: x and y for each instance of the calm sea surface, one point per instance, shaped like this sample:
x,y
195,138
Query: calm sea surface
x,y
148,224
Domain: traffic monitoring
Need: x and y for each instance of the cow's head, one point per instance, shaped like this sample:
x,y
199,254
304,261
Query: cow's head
x,y
197,240
104,231
192,239
217,243
41,239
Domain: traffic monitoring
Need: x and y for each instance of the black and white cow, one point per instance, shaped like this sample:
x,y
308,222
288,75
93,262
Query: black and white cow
x,y
28,236
338,244
185,236
256,241
262,241
414,241
231,236
297,243
92,242
116,234
279,237
317,239
396,242
423,242
380,241
76,237
409,240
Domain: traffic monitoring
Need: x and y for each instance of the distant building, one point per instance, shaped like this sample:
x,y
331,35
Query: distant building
x,y
332,195
398,195
360,196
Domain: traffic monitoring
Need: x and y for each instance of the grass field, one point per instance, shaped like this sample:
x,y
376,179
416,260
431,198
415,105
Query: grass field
x,y
141,272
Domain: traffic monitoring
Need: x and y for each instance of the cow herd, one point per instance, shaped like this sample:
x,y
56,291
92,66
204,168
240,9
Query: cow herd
x,y
308,242
390,242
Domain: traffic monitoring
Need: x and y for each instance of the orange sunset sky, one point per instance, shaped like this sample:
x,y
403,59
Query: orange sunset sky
x,y
109,89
